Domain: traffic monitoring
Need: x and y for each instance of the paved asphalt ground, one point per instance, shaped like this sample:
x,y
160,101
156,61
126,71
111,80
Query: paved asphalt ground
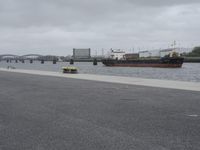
x,y
51,113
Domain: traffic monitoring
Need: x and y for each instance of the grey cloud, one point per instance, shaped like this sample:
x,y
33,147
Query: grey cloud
x,y
161,2
55,26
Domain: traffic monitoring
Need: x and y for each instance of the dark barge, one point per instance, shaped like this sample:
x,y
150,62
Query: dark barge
x,y
165,62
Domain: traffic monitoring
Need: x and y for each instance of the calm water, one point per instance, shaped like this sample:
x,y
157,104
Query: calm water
x,y
189,71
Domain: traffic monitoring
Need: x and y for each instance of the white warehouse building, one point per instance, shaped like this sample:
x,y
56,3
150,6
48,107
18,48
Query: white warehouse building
x,y
157,53
154,53
165,52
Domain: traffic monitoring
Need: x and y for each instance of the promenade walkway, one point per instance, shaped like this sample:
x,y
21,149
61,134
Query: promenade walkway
x,y
42,111
182,85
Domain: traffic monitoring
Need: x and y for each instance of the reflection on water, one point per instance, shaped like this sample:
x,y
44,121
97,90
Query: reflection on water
x,y
189,71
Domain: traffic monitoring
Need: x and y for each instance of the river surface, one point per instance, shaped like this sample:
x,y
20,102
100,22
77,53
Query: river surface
x,y
188,72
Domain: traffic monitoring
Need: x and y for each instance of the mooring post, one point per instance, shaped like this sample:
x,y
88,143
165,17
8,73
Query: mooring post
x,y
95,62
71,62
54,61
42,61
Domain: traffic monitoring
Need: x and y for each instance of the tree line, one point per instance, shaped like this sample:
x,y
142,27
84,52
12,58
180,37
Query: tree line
x,y
194,53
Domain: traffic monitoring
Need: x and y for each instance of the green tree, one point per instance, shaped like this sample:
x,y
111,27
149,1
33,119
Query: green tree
x,y
195,52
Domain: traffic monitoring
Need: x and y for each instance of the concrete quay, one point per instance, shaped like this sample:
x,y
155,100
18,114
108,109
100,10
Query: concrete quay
x,y
40,112
181,85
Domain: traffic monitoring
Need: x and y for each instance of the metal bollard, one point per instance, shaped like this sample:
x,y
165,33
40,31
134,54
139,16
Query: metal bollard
x,y
71,62
42,61
95,62
54,61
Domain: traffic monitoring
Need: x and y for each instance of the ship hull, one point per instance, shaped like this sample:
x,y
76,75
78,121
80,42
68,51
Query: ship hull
x,y
161,63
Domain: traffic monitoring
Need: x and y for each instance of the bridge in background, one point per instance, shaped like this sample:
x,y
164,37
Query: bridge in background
x,y
28,57
43,58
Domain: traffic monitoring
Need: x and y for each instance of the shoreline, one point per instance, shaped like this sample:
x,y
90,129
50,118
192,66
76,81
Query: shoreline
x,y
180,85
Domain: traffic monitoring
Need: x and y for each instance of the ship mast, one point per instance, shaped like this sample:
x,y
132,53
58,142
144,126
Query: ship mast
x,y
174,44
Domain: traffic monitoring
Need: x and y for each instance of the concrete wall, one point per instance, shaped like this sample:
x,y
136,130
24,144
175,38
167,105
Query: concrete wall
x,y
81,53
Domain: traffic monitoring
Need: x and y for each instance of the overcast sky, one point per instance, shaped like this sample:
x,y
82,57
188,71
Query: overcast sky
x,y
57,26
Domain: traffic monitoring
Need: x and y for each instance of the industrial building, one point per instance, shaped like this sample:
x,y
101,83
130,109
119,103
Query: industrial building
x,y
132,56
165,52
81,53
157,53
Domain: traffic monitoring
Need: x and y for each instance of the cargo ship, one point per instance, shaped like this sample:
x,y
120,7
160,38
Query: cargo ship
x,y
169,61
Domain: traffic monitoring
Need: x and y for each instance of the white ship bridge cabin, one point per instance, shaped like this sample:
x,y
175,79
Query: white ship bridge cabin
x,y
117,54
